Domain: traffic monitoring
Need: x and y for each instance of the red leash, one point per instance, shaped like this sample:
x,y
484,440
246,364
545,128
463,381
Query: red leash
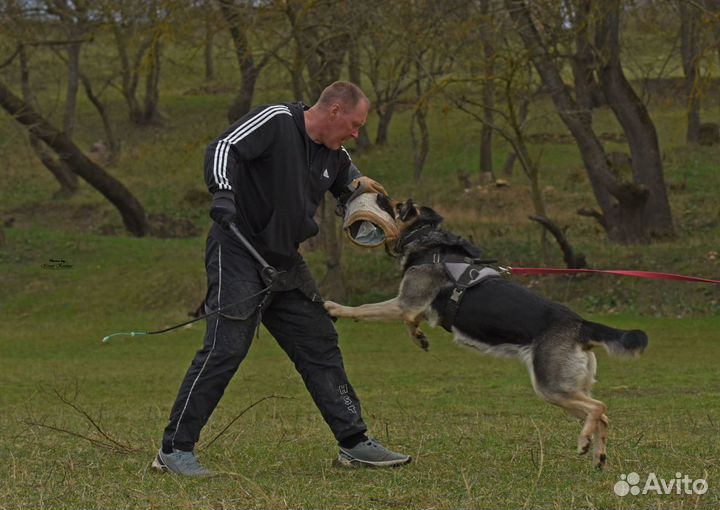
x,y
529,271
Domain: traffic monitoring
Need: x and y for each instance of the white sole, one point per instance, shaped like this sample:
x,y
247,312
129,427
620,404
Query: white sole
x,y
344,461
157,466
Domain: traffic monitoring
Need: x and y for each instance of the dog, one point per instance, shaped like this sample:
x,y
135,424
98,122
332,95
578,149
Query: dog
x,y
488,313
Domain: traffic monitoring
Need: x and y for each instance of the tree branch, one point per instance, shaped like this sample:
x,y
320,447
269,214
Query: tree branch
x,y
572,261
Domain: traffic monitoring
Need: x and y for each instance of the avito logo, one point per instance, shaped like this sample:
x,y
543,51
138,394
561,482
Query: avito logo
x,y
681,484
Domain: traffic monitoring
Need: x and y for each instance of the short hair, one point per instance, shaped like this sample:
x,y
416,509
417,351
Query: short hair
x,y
343,92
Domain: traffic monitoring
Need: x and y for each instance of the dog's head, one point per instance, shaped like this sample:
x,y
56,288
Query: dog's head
x,y
410,217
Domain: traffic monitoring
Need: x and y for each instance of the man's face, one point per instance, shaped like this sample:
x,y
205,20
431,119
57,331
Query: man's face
x,y
344,123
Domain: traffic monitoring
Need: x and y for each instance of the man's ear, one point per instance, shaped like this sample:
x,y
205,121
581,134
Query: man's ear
x,y
334,110
406,210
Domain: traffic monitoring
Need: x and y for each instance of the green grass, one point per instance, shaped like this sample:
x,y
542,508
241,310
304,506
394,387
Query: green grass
x,y
480,437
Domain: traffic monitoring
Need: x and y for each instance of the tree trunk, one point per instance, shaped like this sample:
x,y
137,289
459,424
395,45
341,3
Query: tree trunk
x,y
73,77
112,142
362,142
129,71
68,180
583,62
713,6
248,71
332,285
151,113
209,43
385,114
488,86
523,111
296,74
132,212
689,46
421,147
636,123
65,177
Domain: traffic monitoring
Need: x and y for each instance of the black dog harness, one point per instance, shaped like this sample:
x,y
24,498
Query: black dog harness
x,y
464,272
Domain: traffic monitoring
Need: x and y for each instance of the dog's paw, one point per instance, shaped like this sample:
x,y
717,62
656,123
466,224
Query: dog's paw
x,y
599,461
420,339
584,444
334,309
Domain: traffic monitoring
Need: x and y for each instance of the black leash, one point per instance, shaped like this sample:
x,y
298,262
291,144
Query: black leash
x,y
159,331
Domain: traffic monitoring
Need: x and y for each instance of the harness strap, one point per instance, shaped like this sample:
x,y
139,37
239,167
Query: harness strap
x,y
464,275
463,271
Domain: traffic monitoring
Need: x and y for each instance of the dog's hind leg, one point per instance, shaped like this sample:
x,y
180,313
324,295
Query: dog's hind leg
x,y
596,425
603,423
563,373
601,436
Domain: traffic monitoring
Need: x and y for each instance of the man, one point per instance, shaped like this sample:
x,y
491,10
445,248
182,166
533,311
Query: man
x,y
268,173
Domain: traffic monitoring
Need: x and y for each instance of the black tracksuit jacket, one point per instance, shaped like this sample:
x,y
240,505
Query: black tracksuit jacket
x,y
265,160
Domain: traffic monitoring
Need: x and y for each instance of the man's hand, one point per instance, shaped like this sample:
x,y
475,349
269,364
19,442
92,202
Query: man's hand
x,y
223,210
368,185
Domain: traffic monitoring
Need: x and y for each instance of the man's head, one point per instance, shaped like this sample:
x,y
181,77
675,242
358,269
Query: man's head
x,y
338,115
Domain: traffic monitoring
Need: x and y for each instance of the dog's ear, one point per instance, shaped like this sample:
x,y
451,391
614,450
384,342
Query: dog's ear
x,y
383,201
430,216
406,210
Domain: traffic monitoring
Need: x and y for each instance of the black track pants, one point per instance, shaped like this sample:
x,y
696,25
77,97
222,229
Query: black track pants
x,y
301,327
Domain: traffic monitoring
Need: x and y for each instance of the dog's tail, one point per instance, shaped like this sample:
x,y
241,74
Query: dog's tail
x,y
617,342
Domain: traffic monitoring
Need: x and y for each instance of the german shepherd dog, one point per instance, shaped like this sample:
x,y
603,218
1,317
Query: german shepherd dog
x,y
500,318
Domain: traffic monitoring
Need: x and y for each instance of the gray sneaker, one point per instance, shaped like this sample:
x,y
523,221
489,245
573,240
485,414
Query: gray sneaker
x,y
180,462
370,453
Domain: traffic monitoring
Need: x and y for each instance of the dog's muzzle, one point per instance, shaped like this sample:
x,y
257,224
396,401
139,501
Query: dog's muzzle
x,y
367,224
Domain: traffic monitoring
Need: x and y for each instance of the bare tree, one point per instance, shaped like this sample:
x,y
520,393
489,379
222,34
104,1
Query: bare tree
x,y
488,85
712,10
132,212
631,112
240,17
583,61
210,30
138,27
631,211
362,143
25,33
73,18
65,177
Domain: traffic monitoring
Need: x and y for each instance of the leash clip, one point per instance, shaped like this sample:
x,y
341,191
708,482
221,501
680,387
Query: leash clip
x,y
507,270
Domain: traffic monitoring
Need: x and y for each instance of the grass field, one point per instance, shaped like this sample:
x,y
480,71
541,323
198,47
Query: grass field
x,y
479,436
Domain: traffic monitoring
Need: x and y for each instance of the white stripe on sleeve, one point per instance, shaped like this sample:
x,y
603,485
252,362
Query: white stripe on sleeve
x,y
240,132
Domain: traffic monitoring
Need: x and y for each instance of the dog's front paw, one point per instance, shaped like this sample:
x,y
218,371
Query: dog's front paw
x,y
420,339
334,309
